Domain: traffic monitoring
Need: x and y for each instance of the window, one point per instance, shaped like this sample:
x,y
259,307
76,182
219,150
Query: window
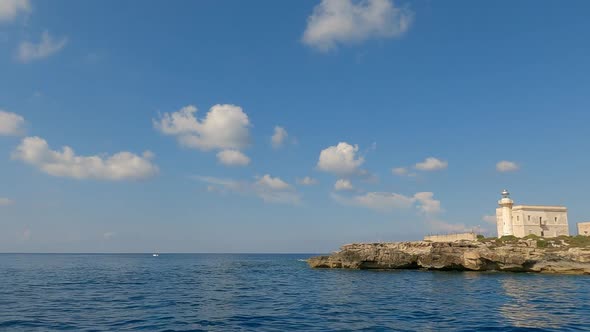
x,y
517,218
555,219
529,218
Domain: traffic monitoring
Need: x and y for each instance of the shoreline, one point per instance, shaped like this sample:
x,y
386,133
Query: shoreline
x,y
513,255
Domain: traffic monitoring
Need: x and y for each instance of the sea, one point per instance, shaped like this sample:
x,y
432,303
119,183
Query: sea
x,y
274,292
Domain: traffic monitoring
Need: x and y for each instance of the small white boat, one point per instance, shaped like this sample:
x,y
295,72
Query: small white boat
x,y
155,255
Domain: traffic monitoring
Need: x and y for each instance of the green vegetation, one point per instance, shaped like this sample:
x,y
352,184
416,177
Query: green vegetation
x,y
542,243
562,241
578,241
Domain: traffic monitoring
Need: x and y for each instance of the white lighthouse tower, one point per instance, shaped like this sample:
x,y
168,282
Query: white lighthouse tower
x,y
506,205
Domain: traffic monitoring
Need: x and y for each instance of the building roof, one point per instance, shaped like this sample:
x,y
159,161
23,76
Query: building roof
x,y
555,208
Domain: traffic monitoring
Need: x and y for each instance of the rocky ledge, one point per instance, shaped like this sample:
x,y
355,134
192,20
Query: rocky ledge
x,y
514,256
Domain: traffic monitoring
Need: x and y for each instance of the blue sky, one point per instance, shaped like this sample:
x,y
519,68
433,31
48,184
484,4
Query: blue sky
x,y
405,117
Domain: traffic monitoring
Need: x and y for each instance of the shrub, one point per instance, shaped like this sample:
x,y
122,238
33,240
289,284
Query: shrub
x,y
579,241
542,244
508,238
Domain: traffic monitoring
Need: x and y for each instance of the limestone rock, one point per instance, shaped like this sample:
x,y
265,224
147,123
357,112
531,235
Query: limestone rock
x,y
521,256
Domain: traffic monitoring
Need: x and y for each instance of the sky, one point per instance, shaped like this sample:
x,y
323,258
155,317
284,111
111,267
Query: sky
x,y
298,126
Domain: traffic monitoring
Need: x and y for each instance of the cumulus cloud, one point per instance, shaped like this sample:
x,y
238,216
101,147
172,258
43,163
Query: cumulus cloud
x,y
427,204
431,164
384,201
11,124
402,171
307,181
269,189
489,218
223,127
47,46
5,201
272,183
233,158
9,9
337,22
120,166
343,185
340,159
507,166
278,138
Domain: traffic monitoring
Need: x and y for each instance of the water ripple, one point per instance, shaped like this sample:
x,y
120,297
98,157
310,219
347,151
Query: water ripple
x,y
274,293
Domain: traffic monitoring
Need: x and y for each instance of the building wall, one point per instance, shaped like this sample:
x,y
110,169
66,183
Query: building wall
x,y
545,221
584,228
499,222
451,237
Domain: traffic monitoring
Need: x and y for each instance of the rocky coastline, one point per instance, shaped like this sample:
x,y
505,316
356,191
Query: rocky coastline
x,y
512,255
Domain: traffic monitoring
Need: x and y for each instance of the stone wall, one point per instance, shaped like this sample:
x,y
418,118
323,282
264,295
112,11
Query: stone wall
x,y
584,228
451,237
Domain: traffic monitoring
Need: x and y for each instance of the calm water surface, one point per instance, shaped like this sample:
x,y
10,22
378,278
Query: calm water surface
x,y
202,292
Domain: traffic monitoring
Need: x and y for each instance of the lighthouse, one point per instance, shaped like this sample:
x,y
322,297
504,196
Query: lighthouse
x,y
506,205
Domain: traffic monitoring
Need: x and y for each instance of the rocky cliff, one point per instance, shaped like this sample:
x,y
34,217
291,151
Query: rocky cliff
x,y
516,256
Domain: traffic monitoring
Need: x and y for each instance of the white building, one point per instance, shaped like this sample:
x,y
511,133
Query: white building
x,y
522,220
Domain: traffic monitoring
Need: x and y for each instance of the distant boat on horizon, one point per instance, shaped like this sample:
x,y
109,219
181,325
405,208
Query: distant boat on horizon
x,y
155,255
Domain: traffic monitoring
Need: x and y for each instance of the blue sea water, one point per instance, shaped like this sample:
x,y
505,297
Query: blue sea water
x,y
224,292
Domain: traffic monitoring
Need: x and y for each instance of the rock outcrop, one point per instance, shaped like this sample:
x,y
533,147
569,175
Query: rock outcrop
x,y
517,256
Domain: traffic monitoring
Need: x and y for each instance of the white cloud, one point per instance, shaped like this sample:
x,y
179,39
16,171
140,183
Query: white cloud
x,y
5,201
269,189
120,166
427,204
307,181
402,171
224,127
337,22
279,137
343,184
431,164
9,9
340,159
233,158
272,183
29,51
108,235
11,124
489,218
507,166
384,201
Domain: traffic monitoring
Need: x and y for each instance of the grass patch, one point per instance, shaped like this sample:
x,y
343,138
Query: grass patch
x,y
578,241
